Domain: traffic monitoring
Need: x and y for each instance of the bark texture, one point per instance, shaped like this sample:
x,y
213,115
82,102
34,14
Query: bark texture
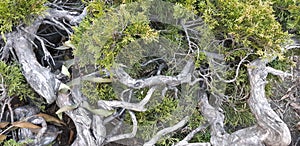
x,y
270,130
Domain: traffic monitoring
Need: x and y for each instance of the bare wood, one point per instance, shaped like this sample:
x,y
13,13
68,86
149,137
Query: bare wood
x,y
270,129
275,130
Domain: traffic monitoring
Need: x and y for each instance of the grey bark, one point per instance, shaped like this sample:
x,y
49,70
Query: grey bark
x,y
269,130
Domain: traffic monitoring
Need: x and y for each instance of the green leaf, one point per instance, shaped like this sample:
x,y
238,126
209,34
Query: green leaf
x,y
98,80
100,112
64,109
63,88
69,63
64,70
69,44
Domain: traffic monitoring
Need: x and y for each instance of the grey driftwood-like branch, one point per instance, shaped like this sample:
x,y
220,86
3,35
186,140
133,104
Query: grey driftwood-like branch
x,y
184,77
270,129
39,78
128,105
45,83
91,130
165,131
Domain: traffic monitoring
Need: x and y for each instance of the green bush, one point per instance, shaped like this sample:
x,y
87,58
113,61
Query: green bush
x,y
288,14
12,142
15,12
237,115
251,24
14,81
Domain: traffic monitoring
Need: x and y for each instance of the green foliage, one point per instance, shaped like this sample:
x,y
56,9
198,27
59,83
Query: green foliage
x,y
158,114
95,8
237,112
168,141
97,91
240,87
188,4
203,136
200,59
15,12
101,36
195,120
237,115
251,24
288,14
283,65
252,28
100,41
12,142
14,81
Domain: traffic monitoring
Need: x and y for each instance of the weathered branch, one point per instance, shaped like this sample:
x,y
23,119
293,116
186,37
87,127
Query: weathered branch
x,y
69,16
278,72
275,130
128,135
236,72
270,129
45,83
184,77
191,135
293,46
6,49
47,54
82,120
2,90
127,105
165,131
38,77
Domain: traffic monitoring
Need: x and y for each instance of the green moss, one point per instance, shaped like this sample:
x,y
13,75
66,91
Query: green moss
x,y
15,12
14,81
